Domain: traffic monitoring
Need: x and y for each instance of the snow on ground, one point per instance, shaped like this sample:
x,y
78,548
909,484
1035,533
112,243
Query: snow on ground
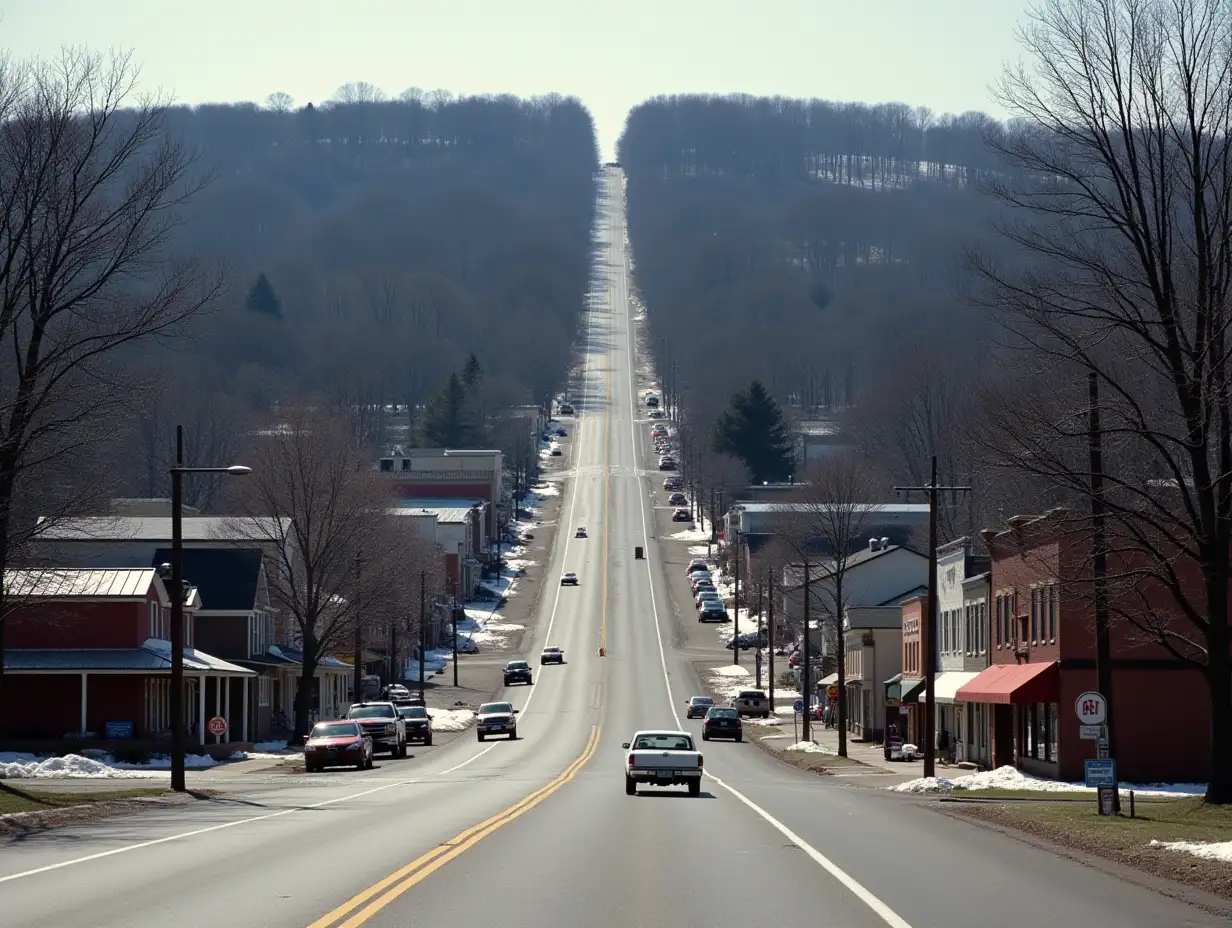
x,y
1215,850
690,534
451,719
732,670
809,747
1012,778
494,633
96,767
699,550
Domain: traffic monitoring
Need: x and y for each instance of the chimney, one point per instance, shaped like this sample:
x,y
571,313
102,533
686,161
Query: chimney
x,y
873,544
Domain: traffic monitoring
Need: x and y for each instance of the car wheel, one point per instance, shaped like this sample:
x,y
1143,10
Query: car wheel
x,y
371,761
739,738
695,787
309,768
428,741
530,681
480,735
630,786
705,737
363,763
513,735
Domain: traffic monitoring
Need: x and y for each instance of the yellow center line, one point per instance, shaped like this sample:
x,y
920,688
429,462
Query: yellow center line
x,y
607,508
383,892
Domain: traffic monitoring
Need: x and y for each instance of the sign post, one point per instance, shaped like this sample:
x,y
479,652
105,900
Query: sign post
x,y
217,726
797,708
1092,711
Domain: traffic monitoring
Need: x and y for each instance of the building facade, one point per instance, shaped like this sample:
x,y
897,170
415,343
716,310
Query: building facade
x,y
961,651
872,641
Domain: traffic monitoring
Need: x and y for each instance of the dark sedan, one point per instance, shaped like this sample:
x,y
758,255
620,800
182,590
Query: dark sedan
x,y
518,672
722,722
698,706
418,724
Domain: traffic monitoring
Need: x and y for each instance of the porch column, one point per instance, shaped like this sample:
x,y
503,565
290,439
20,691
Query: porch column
x,y
244,730
83,702
226,706
201,708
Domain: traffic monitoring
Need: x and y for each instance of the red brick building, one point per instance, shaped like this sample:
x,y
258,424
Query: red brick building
x,y
87,656
1042,644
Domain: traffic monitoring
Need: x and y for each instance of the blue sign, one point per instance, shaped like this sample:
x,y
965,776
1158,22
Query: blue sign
x,y
1101,773
798,705
119,731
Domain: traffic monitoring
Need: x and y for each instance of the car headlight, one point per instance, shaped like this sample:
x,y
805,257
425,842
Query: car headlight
x,y
390,728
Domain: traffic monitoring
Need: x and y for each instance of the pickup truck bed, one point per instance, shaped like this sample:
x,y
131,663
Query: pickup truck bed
x,y
662,759
749,703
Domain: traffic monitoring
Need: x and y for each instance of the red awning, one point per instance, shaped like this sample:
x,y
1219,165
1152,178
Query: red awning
x,y
1012,683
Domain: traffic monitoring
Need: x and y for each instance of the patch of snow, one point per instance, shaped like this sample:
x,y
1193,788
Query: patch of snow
x,y
1012,778
699,550
71,766
451,719
163,762
1212,850
491,633
808,747
689,534
731,670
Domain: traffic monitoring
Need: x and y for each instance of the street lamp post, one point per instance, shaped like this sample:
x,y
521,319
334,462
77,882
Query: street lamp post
x,y
178,470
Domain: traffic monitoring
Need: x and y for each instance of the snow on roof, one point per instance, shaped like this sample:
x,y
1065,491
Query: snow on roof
x,y
158,528
83,582
884,509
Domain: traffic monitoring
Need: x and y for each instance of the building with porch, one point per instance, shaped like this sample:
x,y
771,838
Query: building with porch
x,y
872,639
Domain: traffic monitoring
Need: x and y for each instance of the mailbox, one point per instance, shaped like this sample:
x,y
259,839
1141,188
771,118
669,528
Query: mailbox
x,y
637,553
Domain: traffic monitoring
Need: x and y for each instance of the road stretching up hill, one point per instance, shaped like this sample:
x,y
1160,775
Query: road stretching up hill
x,y
539,831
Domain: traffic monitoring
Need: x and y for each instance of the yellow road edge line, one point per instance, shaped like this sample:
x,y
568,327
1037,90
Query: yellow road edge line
x,y
394,885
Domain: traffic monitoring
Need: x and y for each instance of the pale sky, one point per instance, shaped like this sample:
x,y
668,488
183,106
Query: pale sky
x,y
937,53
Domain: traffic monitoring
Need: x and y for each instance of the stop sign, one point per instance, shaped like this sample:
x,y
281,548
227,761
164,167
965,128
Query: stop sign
x,y
1092,709
217,725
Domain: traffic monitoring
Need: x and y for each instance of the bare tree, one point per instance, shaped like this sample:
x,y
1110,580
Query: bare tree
x,y
91,187
338,552
280,102
1122,184
824,531
359,92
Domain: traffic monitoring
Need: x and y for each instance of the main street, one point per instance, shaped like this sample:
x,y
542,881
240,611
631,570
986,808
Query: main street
x,y
539,830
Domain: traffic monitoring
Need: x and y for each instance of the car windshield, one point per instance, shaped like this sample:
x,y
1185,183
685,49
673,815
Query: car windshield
x,y
516,665
551,650
752,694
492,708
372,712
717,713
702,701
335,730
663,743
413,712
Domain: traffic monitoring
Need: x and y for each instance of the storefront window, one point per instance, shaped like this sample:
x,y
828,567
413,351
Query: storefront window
x,y
1054,720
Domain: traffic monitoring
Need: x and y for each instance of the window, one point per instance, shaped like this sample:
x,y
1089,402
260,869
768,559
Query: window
x,y
1054,606
153,621
264,687
983,626
997,619
188,627
1035,604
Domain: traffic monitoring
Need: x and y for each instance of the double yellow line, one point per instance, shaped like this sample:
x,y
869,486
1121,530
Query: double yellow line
x,y
607,508
382,893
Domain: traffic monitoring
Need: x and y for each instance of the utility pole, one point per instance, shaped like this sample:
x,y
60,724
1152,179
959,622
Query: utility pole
x,y
736,603
393,650
930,617
760,631
423,626
770,625
1099,570
805,683
357,672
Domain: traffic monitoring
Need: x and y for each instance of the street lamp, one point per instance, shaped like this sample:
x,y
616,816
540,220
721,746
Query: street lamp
x,y
178,470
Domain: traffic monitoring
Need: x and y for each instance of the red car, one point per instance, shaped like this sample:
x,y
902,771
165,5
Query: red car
x,y
338,744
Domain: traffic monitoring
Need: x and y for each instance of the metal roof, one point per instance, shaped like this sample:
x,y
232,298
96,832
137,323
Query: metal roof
x,y
158,528
883,509
85,582
138,660
446,515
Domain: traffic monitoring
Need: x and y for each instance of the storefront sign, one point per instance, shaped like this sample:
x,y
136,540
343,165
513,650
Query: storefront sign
x,y
1091,708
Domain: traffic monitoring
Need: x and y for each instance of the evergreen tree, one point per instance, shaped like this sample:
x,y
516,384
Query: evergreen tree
x,y
451,419
263,299
472,372
753,429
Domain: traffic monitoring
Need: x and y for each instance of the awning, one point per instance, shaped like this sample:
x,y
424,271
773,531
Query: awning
x,y
911,690
1004,684
829,680
947,684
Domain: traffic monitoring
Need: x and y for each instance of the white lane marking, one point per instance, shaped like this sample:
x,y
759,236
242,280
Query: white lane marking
x,y
154,842
883,911
328,802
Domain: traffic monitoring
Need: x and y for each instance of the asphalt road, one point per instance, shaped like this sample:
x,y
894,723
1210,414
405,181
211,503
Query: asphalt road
x,y
539,831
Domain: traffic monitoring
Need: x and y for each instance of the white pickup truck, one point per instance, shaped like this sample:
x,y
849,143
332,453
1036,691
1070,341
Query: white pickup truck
x,y
662,758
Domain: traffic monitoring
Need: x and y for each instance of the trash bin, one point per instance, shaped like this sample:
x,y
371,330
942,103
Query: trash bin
x,y
637,553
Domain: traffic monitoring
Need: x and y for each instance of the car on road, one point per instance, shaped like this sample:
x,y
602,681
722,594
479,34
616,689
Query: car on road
x,y
554,450
569,579
713,612
652,401
695,565
551,656
518,672
580,532
747,641
566,409
751,702
410,699
678,499
667,463
496,718
395,692
381,721
698,577
662,758
697,706
681,515
418,724
710,595
560,431
658,414
722,722
337,744
673,483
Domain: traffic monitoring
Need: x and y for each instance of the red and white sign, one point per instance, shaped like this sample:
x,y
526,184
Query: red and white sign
x,y
217,725
1092,709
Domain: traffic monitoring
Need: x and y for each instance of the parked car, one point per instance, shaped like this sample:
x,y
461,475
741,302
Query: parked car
x,y
518,672
551,656
678,499
560,431
566,409
569,579
666,463
382,722
652,401
700,576
697,706
673,483
751,702
662,758
418,724
496,718
580,532
705,595
713,612
554,450
658,414
722,722
696,564
747,641
337,744
410,699
681,515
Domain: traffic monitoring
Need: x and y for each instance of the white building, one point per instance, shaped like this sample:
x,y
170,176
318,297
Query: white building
x,y
961,643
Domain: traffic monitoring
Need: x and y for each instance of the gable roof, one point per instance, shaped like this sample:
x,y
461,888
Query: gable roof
x,y
793,574
254,530
228,578
79,582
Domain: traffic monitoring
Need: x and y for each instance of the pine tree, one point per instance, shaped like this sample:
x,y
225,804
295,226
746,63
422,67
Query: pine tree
x,y
443,415
753,429
263,299
472,372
